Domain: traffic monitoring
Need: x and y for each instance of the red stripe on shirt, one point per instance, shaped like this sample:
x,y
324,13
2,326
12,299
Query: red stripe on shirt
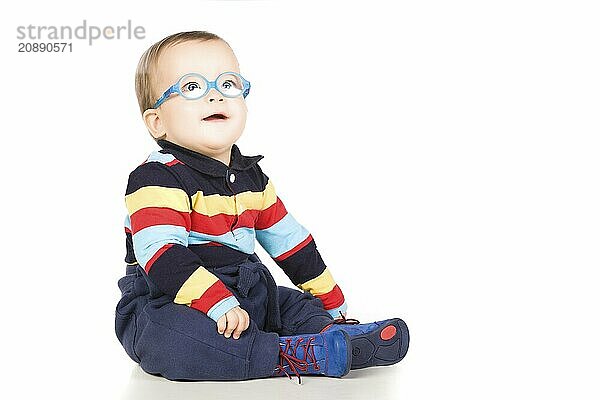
x,y
215,293
175,161
271,215
332,299
220,224
295,249
151,216
156,256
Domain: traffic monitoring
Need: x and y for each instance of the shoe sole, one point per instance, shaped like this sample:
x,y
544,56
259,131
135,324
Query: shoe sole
x,y
386,345
348,354
335,349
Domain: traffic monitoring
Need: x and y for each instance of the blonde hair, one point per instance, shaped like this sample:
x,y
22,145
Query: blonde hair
x,y
145,73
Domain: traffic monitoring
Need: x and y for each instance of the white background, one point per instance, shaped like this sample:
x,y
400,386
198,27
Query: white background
x,y
444,155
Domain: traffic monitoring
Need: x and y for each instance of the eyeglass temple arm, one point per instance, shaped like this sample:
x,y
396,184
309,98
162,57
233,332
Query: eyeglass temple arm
x,y
165,95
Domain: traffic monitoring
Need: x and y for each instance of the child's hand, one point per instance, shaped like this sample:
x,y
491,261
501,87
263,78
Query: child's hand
x,y
235,320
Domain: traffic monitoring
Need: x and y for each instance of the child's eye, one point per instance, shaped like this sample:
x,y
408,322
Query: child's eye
x,y
188,87
228,84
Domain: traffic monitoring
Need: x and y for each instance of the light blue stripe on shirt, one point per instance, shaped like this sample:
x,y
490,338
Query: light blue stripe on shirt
x,y
283,236
127,222
241,239
219,309
335,313
148,241
160,157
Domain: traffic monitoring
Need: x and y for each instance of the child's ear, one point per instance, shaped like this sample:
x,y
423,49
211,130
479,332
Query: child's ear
x,y
154,123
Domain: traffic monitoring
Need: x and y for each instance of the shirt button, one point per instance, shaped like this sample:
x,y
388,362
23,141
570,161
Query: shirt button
x,y
231,178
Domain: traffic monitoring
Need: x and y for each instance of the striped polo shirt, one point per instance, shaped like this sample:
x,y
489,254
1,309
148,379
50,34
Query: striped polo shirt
x,y
187,212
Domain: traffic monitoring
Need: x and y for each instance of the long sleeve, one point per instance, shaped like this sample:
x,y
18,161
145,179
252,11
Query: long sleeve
x,y
159,213
293,248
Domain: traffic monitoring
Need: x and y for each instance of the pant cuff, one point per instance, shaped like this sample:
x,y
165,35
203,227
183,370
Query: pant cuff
x,y
313,324
264,355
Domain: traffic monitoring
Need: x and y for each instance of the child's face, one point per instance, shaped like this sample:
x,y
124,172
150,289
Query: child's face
x,y
182,119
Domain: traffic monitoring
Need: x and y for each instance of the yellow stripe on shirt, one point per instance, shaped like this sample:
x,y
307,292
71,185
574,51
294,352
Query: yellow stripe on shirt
x,y
214,204
195,286
322,284
269,195
157,196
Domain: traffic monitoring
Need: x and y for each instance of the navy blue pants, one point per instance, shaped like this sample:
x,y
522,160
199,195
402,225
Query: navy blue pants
x,y
181,343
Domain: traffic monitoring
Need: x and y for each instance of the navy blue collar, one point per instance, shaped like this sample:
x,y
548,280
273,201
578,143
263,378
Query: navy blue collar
x,y
206,164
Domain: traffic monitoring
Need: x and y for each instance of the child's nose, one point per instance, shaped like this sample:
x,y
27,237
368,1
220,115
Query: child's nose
x,y
214,95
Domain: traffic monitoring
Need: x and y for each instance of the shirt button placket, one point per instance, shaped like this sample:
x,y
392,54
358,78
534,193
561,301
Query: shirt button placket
x,y
230,181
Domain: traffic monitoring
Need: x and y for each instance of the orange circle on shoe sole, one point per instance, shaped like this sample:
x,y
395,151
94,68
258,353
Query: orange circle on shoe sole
x,y
388,332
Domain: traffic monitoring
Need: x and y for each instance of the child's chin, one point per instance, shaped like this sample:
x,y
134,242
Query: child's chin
x,y
217,136
216,140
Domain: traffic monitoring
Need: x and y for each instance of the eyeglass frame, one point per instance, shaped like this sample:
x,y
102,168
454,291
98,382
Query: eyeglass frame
x,y
210,85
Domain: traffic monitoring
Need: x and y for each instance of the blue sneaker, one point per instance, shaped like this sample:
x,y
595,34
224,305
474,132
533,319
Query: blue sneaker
x,y
376,343
326,354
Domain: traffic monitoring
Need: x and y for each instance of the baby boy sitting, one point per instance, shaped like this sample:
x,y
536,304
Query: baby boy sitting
x,y
195,210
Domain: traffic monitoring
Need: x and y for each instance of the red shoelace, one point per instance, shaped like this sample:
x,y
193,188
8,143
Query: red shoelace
x,y
297,364
344,320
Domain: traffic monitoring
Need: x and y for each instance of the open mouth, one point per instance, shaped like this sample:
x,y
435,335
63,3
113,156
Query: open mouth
x,y
215,117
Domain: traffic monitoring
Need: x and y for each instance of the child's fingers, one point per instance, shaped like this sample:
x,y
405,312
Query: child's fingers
x,y
221,324
247,319
232,322
241,323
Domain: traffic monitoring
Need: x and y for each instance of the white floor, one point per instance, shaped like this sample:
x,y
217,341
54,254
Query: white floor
x,y
377,383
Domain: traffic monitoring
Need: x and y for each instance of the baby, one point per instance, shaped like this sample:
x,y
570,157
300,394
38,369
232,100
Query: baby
x,y
197,303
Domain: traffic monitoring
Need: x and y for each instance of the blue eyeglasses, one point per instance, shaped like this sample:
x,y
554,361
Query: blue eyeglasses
x,y
194,86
